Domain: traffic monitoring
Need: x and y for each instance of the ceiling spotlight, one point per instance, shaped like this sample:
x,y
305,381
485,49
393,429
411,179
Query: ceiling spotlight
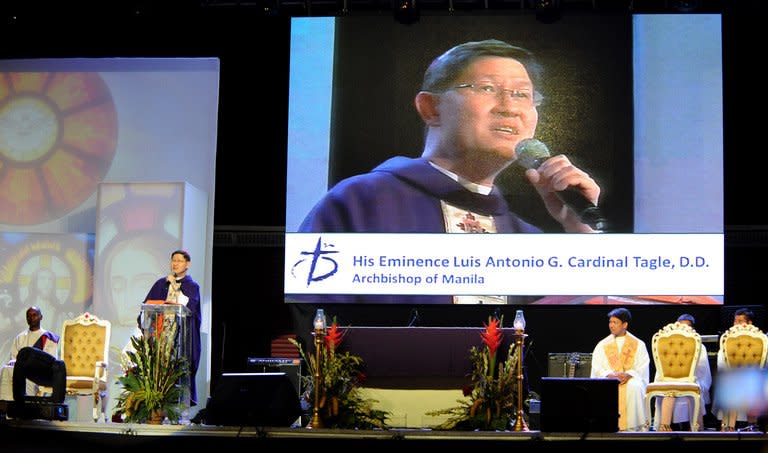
x,y
547,10
406,11
686,6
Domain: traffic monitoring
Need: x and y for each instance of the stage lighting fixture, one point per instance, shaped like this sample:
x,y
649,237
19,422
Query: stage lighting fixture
x,y
268,7
406,11
686,6
547,11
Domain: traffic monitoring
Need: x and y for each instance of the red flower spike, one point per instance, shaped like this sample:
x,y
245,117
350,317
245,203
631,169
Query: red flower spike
x,y
492,336
333,337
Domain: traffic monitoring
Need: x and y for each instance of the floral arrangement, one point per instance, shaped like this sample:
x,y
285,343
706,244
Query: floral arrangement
x,y
341,374
151,377
490,401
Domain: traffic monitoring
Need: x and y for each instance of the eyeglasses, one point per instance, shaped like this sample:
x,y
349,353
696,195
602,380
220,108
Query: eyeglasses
x,y
524,97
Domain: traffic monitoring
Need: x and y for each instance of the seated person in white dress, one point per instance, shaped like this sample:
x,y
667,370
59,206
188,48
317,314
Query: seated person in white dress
x,y
36,337
623,356
673,412
743,419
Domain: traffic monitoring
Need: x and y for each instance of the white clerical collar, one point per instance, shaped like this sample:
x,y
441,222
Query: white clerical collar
x,y
467,184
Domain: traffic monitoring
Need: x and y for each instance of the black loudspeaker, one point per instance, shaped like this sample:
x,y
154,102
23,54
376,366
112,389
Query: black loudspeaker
x,y
569,364
289,366
253,399
579,405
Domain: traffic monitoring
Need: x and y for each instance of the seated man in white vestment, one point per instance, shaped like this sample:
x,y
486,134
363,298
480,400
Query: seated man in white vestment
x,y
623,356
35,336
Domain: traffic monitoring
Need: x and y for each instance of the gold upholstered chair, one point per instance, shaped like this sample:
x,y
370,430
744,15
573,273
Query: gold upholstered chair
x,y
741,346
744,345
85,351
676,348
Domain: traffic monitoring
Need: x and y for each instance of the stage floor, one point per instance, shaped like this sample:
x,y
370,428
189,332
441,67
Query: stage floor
x,y
40,435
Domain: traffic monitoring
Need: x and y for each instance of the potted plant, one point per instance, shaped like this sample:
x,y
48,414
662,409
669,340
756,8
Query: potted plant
x,y
151,382
341,404
491,399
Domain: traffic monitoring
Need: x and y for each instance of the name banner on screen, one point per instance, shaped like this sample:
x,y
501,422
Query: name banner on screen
x,y
509,264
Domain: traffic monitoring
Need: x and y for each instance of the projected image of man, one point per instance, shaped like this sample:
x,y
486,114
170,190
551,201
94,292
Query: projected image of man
x,y
478,102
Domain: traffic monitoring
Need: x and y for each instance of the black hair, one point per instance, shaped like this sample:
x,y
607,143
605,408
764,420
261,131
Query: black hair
x,y
445,69
621,313
687,317
182,253
746,312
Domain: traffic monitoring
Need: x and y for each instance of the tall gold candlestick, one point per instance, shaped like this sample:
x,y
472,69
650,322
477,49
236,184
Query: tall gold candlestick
x,y
520,424
317,422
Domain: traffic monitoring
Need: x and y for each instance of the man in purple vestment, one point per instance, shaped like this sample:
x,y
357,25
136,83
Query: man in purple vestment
x,y
178,287
478,101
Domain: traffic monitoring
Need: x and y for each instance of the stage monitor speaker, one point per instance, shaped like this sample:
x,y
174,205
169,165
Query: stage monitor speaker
x,y
579,405
289,366
569,364
253,399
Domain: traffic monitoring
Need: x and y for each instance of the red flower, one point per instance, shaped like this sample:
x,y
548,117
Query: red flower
x,y
467,390
333,337
361,378
492,336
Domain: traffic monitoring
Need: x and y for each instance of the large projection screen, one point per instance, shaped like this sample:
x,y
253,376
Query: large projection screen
x,y
625,99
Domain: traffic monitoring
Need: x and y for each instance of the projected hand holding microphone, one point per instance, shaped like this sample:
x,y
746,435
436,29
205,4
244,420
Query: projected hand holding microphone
x,y
531,154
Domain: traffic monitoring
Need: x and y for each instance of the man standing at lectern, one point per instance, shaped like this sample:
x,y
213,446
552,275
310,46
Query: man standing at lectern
x,y
178,287
623,356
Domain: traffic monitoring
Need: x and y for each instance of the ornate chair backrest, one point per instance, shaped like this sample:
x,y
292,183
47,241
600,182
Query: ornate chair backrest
x,y
84,342
676,348
744,345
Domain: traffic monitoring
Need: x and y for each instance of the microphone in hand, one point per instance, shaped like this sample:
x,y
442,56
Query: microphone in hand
x,y
531,153
171,278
